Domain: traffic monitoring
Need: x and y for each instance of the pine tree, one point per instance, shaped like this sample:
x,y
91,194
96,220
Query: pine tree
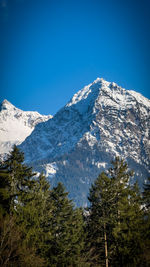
x,y
115,218
99,220
15,179
17,194
31,211
127,231
5,188
146,223
37,216
146,194
66,226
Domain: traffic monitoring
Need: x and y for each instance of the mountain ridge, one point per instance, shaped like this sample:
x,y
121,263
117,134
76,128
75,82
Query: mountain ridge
x,y
83,110
100,122
16,125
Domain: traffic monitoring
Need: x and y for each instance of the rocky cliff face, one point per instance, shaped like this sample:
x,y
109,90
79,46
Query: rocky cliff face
x,y
16,125
100,122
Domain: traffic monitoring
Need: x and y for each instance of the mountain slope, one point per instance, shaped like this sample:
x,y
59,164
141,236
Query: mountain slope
x,y
100,122
16,125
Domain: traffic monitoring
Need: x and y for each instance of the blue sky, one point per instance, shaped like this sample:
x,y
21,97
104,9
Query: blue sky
x,y
52,48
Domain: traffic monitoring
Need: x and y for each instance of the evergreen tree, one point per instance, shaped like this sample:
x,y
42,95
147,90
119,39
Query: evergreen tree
x,y
99,220
146,194
146,223
34,211
66,242
15,179
127,216
48,230
127,231
5,188
115,218
17,194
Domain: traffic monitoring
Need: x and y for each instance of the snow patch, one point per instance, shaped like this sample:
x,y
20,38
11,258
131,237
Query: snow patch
x,y
50,169
101,164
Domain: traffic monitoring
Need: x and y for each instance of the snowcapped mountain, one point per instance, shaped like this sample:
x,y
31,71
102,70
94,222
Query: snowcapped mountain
x,y
100,122
16,125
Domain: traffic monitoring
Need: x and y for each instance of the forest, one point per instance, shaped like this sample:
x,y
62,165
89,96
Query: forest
x,y
40,225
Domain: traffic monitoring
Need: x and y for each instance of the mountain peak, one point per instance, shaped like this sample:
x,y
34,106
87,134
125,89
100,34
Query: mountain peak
x,y
101,80
99,91
87,92
100,122
98,80
6,105
5,101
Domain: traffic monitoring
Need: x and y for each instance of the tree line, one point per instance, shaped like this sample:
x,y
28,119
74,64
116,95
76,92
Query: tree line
x,y
40,226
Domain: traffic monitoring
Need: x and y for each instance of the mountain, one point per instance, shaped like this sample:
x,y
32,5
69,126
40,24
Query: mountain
x,y
16,125
100,122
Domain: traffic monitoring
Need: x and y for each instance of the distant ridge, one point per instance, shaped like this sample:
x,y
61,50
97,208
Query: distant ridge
x,y
16,125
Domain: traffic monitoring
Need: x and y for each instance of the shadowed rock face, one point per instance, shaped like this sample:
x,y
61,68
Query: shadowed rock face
x,y
100,122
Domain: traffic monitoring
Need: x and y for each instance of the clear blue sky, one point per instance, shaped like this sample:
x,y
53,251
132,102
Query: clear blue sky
x,y
49,49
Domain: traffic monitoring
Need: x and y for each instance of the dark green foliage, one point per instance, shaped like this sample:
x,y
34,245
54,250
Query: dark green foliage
x,y
34,211
5,197
146,223
40,226
146,194
115,219
43,226
15,179
99,221
66,242
17,194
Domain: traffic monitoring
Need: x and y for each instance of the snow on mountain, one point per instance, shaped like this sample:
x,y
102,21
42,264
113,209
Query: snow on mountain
x,y
100,122
16,125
